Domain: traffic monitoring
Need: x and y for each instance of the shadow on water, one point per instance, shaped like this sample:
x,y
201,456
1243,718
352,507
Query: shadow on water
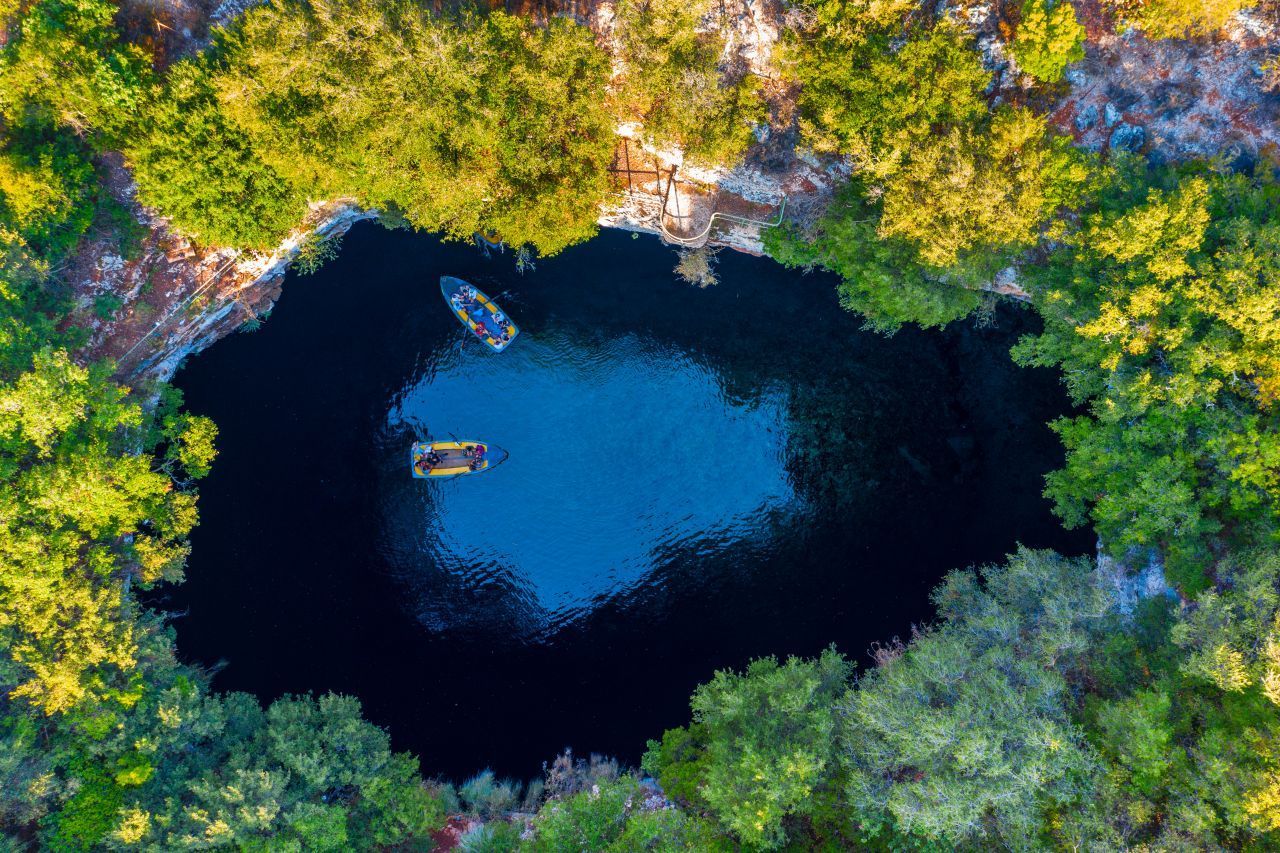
x,y
697,477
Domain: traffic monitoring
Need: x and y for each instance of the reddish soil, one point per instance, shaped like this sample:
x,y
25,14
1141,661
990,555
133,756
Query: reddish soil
x,y
449,837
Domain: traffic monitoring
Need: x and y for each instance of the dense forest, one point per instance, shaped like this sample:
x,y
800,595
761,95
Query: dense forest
x,y
1039,708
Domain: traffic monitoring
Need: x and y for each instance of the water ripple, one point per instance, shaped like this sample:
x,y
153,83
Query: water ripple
x,y
627,455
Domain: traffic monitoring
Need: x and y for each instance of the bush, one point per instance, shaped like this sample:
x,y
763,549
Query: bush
x,y
494,837
697,267
486,797
314,252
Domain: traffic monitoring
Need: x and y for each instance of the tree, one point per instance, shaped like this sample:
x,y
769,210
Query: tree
x,y
866,93
83,518
66,65
1233,635
309,772
196,167
1188,755
965,737
500,126
882,278
47,190
1163,312
970,196
952,192
672,81
765,738
1048,39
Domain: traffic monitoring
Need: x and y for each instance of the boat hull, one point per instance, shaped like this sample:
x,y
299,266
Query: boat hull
x,y
455,461
480,315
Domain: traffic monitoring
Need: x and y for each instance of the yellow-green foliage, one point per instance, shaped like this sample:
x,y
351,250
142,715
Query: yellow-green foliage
x,y
1234,639
767,738
882,277
477,124
867,95
1048,39
953,191
1163,19
65,64
82,518
193,164
47,189
672,83
1164,310
991,190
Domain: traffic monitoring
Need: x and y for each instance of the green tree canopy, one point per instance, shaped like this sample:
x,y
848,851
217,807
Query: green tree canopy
x,y
764,742
953,191
499,123
195,166
672,80
1048,39
84,518
1164,312
966,736
866,93
66,64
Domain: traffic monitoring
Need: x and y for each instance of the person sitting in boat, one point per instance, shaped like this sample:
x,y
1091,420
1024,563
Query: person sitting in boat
x,y
433,459
476,464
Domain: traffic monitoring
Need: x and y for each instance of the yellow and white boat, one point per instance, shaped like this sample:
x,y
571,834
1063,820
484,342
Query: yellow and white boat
x,y
440,459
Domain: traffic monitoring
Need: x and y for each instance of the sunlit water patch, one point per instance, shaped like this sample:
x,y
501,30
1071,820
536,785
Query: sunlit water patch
x,y
623,451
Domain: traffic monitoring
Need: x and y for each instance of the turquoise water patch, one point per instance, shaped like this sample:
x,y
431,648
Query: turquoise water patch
x,y
623,451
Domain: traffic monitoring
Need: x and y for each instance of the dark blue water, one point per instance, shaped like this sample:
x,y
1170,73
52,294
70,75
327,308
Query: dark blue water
x,y
697,477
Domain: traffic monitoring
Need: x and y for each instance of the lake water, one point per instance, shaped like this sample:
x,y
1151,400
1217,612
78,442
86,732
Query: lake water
x,y
697,477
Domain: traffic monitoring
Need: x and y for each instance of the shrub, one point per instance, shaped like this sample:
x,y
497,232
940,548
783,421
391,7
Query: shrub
x,y
314,252
487,797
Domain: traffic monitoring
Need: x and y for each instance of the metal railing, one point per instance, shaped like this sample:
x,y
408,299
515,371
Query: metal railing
x,y
702,235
